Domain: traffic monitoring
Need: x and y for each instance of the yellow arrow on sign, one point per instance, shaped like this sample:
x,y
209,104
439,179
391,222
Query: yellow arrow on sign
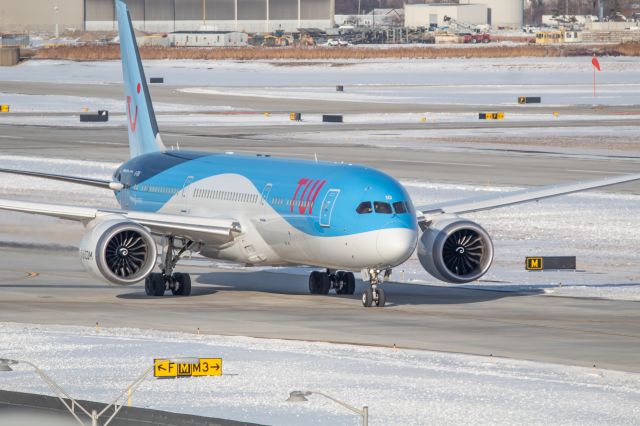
x,y
208,367
165,368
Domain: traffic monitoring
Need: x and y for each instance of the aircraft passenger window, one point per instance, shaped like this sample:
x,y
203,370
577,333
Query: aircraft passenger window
x,y
364,207
400,207
380,207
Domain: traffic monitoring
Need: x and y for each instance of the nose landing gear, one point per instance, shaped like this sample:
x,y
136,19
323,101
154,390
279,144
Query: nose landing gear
x,y
374,294
340,281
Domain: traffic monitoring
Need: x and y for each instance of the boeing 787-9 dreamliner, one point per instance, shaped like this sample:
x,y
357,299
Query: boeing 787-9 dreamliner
x,y
265,211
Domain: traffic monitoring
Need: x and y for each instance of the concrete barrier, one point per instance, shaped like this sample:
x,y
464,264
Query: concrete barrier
x,y
9,56
529,100
331,118
101,117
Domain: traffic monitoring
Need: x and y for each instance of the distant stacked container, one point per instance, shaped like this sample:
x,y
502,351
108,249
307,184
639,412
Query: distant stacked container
x,y
9,56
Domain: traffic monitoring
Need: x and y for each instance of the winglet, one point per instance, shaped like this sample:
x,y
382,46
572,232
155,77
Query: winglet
x,y
144,136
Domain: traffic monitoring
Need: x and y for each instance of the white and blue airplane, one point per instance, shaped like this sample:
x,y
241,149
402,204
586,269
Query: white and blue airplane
x,y
265,211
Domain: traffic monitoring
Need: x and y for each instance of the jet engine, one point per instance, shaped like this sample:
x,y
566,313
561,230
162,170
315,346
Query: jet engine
x,y
455,250
119,251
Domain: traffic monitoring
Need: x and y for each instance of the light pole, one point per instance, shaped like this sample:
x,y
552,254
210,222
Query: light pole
x,y
116,405
300,396
56,9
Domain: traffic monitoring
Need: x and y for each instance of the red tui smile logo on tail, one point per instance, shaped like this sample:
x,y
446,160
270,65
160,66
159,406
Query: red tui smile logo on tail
x,y
132,123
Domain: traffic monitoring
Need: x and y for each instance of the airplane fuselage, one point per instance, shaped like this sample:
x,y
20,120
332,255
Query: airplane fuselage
x,y
291,212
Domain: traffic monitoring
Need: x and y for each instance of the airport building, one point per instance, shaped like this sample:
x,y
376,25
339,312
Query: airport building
x,y
497,13
426,15
167,15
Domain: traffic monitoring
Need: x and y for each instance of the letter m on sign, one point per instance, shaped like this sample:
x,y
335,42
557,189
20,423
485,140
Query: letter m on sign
x,y
184,369
533,264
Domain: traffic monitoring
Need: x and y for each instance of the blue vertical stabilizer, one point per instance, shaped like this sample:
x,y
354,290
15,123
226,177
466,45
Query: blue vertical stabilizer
x,y
144,136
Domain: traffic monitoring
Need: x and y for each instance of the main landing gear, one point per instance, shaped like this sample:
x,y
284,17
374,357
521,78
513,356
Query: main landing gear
x,y
374,295
180,284
342,282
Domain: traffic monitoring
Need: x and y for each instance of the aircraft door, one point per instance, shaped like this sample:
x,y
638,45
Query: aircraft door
x,y
264,201
327,207
186,201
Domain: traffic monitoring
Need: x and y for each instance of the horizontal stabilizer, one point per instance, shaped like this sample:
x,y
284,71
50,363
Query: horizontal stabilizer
x,y
106,184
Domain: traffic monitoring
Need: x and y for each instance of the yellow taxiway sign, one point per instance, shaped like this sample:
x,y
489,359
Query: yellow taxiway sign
x,y
196,368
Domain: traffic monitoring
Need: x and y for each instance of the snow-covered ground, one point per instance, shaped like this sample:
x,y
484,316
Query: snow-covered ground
x,y
559,81
599,232
63,104
431,93
487,71
400,387
224,116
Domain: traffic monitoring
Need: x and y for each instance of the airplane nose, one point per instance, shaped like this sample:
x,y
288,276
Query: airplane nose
x,y
395,245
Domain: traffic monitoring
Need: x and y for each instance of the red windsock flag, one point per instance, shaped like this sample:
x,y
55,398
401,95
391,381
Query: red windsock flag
x,y
595,62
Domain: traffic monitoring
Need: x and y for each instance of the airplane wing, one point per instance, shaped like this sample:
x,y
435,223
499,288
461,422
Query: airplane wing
x,y
208,230
493,201
106,184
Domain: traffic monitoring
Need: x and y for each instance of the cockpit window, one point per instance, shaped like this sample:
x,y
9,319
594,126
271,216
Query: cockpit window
x,y
364,207
380,207
400,207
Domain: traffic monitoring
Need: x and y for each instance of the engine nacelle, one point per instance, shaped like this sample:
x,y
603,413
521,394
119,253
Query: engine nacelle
x,y
455,250
119,251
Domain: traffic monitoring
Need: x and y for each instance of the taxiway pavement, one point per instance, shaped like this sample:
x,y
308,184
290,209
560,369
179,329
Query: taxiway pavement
x,y
457,163
51,287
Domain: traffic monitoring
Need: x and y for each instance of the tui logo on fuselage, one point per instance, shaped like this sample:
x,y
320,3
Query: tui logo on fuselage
x,y
306,200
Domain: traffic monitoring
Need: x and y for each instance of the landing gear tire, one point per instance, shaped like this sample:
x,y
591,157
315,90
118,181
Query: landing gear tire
x,y
315,282
154,285
181,284
319,283
147,286
349,283
367,298
381,299
325,283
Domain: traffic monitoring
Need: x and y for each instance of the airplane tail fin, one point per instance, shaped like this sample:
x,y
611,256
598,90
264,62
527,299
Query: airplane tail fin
x,y
144,136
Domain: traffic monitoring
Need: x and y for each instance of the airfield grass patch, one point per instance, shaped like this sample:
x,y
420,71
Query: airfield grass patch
x,y
112,52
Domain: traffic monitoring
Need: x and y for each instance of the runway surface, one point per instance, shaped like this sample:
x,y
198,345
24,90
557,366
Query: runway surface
x,y
49,287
